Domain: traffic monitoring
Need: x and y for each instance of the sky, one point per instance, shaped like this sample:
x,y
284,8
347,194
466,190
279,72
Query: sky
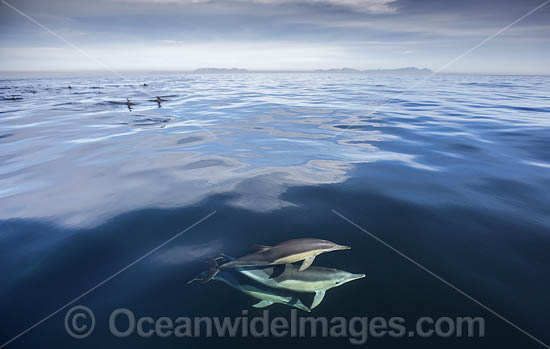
x,y
179,35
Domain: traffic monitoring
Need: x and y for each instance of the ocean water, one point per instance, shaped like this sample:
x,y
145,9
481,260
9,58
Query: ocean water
x,y
453,173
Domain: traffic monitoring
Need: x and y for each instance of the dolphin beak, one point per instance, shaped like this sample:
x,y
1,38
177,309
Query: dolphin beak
x,y
358,276
352,277
342,247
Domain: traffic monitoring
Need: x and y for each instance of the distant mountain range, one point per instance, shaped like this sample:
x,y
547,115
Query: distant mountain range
x,y
219,71
408,70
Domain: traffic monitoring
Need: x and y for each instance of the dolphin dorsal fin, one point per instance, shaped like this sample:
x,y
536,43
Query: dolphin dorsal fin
x,y
212,271
261,247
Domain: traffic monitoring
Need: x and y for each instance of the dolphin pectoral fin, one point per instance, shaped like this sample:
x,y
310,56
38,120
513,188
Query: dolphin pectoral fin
x,y
307,262
261,247
319,295
262,304
277,270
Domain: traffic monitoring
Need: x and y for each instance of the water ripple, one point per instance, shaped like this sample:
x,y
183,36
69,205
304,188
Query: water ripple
x,y
80,155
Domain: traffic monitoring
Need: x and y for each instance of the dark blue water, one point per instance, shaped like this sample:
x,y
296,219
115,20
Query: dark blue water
x,y
453,172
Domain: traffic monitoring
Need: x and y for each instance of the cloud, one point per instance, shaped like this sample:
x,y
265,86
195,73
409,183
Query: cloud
x,y
366,6
371,6
179,55
273,34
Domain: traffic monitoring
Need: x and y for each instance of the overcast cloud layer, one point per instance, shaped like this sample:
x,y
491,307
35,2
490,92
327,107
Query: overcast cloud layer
x,y
275,35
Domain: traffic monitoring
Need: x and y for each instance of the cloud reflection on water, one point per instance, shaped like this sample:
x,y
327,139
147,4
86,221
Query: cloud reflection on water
x,y
80,164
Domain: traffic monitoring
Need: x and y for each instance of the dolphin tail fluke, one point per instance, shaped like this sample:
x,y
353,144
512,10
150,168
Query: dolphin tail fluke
x,y
212,271
302,306
210,276
195,279
319,295
307,262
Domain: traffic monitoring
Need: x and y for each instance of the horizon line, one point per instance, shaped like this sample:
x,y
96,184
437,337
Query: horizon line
x,y
253,71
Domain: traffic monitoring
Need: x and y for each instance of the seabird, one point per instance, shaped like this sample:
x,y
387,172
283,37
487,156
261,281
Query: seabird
x,y
129,104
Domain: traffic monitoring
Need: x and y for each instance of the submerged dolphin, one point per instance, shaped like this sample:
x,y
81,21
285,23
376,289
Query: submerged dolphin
x,y
286,252
315,279
266,295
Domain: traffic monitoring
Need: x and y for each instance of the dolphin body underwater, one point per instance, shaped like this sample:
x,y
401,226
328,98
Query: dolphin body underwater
x,y
266,295
315,279
286,252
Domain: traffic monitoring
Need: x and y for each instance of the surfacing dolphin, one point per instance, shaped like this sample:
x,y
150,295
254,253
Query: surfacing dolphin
x,y
266,295
286,252
315,279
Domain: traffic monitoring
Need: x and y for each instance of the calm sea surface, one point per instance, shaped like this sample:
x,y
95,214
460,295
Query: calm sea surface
x,y
453,172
